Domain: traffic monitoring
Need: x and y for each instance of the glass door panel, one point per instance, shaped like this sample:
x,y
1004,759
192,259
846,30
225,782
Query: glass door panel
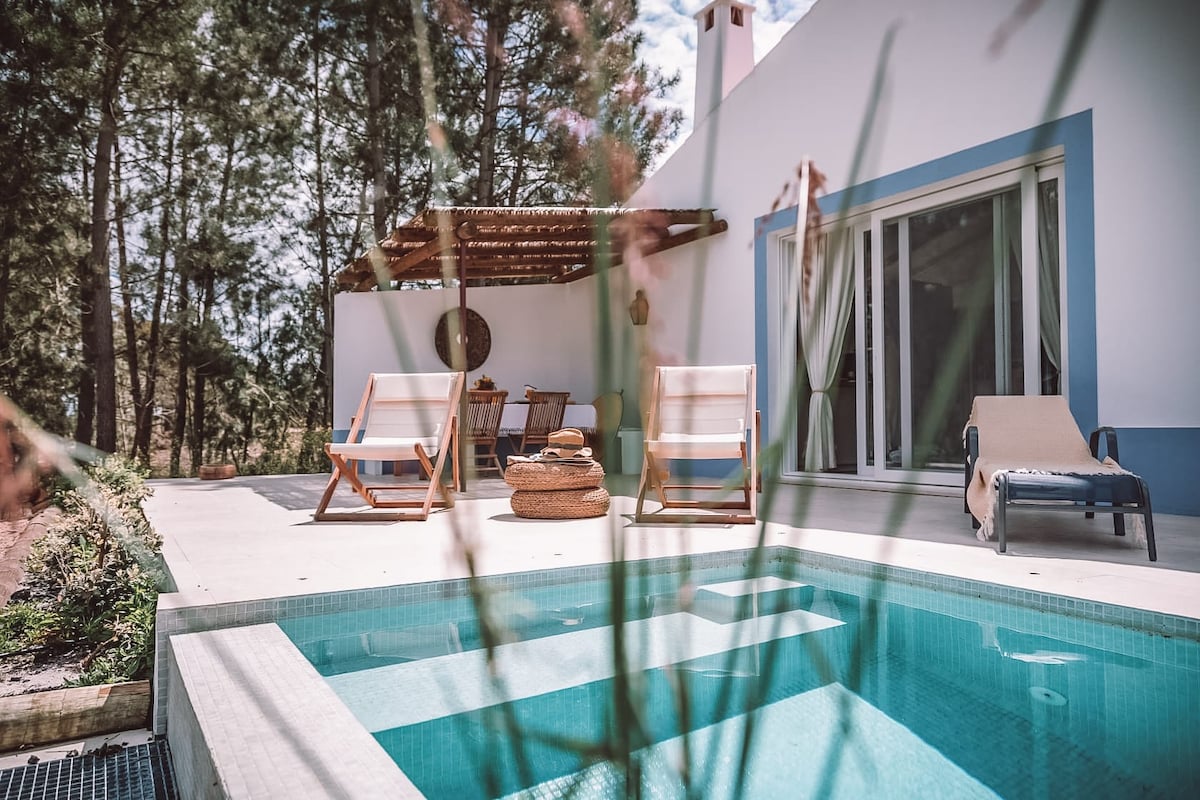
x,y
952,311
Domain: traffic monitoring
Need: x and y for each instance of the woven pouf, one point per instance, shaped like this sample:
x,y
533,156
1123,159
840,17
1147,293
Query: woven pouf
x,y
560,503
544,476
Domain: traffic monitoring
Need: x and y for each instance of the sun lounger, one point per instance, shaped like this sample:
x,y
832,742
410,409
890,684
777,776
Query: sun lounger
x,y
1028,451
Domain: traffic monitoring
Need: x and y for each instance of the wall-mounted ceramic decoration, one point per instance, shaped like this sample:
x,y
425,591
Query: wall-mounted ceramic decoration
x,y
479,339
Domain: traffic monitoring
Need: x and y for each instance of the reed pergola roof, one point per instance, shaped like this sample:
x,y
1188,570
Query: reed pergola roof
x,y
525,245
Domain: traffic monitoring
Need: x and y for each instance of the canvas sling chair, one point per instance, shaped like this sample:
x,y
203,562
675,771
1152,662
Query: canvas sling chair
x,y
402,417
701,414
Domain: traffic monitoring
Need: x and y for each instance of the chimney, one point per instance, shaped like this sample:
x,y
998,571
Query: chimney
x,y
724,52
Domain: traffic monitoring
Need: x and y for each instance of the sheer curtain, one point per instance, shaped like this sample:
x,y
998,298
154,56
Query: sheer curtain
x,y
823,314
1049,319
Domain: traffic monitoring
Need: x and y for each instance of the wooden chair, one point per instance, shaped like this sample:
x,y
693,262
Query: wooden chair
x,y
698,414
484,409
402,417
546,411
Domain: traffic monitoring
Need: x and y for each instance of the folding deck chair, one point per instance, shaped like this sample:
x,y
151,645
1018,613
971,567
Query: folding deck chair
x,y
402,417
1029,451
700,414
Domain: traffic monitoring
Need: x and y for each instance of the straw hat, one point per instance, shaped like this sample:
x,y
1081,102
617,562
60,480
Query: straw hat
x,y
566,443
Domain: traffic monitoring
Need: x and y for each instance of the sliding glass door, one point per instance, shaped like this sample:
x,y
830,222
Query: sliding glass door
x,y
941,308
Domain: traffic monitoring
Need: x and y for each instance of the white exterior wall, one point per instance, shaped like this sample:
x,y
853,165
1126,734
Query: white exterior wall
x,y
541,335
944,92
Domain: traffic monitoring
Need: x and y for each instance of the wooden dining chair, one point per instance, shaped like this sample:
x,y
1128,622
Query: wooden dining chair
x,y
484,409
546,411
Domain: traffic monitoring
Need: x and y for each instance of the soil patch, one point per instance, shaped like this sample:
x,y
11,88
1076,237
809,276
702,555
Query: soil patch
x,y
38,671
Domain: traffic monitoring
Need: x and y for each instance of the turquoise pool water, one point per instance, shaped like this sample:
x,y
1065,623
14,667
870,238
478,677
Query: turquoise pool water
x,y
843,685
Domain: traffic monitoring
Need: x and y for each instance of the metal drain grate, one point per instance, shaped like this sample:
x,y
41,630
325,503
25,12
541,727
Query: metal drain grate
x,y
140,772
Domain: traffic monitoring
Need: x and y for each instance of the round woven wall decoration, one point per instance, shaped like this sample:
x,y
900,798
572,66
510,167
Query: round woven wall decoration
x,y
479,339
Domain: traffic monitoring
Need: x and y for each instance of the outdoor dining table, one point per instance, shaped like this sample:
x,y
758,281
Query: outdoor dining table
x,y
575,415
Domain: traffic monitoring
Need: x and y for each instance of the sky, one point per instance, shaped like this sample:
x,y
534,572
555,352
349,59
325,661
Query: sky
x,y
671,39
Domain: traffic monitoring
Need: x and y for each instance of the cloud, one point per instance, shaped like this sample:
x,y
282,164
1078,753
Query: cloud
x,y
670,41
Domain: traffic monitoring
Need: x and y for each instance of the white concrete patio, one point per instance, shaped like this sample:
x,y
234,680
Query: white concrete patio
x,y
253,538
247,711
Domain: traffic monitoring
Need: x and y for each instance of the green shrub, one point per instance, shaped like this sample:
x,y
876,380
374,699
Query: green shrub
x,y
22,624
282,458
93,578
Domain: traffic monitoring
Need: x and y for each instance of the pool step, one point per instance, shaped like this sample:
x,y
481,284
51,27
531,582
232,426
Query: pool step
x,y
418,691
827,742
734,601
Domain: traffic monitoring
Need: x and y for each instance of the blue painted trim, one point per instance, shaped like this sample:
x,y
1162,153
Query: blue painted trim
x,y
763,227
1080,227
1166,458
1074,135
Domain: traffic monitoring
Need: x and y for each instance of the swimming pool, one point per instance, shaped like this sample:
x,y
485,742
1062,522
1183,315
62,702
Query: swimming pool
x,y
850,683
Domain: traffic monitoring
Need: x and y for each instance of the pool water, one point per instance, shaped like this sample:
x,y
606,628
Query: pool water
x,y
843,687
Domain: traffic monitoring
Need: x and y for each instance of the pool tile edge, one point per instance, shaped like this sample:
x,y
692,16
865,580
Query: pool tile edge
x,y
251,718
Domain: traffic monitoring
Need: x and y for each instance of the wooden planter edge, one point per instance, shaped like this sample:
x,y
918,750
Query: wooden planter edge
x,y
59,715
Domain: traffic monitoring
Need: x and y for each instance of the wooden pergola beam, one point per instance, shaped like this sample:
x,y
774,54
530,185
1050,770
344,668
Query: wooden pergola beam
x,y
564,244
686,237
546,217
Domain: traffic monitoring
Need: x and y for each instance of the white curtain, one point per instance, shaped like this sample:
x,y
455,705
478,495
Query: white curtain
x,y
823,317
1048,314
1049,324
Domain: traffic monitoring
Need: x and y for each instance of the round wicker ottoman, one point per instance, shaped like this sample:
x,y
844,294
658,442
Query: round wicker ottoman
x,y
560,503
544,476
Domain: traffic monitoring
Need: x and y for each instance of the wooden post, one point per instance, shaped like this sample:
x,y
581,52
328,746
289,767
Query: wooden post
x,y
461,357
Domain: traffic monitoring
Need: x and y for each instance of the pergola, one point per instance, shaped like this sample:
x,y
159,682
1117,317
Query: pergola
x,y
524,245
520,246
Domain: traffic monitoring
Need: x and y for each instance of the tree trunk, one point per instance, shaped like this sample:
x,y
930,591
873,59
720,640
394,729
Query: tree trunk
x,y
85,401
179,428
102,321
518,173
200,434
377,177
497,30
198,441
183,322
144,426
319,408
130,327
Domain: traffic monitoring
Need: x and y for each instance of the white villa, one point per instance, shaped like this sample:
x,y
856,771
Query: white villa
x,y
1007,211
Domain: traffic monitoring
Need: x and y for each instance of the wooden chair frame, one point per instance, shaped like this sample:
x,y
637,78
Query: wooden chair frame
x,y
484,410
346,455
660,446
546,410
